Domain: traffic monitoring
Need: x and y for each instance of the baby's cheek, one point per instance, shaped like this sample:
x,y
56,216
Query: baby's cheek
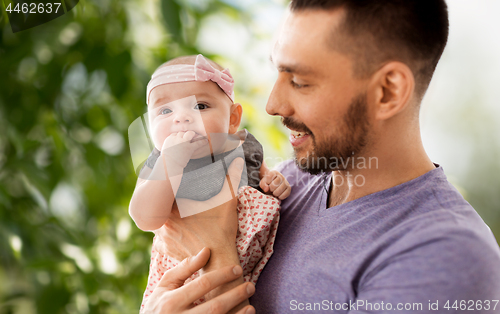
x,y
159,134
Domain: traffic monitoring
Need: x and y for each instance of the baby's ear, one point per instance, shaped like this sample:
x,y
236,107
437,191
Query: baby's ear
x,y
236,112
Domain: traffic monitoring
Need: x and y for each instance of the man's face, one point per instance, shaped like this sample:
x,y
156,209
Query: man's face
x,y
316,93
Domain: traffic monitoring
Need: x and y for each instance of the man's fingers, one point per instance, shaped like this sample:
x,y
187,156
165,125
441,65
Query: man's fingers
x,y
175,277
206,283
225,302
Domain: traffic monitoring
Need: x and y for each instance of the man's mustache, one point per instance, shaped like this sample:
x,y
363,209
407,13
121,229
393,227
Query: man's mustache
x,y
294,125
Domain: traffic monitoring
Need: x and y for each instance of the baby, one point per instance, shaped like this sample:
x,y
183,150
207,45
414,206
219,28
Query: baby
x,y
194,126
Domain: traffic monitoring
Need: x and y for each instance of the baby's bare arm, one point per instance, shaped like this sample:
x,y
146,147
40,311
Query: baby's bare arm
x,y
153,197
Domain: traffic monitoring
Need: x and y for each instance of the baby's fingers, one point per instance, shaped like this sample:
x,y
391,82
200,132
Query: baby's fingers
x,y
279,190
283,191
277,181
187,135
266,180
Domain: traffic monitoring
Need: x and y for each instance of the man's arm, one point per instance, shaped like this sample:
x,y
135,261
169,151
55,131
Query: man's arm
x,y
219,260
223,253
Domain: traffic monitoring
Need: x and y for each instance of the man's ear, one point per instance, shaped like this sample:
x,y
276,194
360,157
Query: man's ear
x,y
393,86
235,117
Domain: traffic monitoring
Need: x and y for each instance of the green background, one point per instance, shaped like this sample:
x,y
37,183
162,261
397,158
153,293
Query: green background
x,y
69,89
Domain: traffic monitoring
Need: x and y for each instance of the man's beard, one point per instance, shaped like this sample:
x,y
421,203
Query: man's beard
x,y
336,152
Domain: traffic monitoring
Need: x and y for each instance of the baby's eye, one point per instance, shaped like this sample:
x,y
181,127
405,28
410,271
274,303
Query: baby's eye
x,y
200,106
165,111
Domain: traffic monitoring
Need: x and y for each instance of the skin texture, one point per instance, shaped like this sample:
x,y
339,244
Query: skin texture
x,y
315,92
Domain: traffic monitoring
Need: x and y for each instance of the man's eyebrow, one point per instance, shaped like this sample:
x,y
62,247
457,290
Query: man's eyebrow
x,y
292,68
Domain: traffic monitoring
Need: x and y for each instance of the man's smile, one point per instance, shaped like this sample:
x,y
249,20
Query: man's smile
x,y
299,132
298,138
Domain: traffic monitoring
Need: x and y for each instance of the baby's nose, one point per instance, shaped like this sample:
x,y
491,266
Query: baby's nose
x,y
183,117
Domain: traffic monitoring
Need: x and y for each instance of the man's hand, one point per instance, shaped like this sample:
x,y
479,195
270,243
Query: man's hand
x,y
276,184
171,296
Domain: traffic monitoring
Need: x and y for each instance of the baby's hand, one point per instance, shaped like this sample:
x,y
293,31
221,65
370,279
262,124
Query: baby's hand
x,y
275,183
178,148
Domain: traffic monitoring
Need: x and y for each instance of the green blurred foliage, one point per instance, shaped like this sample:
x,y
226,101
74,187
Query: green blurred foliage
x,y
69,89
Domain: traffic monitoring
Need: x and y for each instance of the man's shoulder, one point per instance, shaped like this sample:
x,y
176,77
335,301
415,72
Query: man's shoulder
x,y
446,250
442,228
435,212
437,237
446,230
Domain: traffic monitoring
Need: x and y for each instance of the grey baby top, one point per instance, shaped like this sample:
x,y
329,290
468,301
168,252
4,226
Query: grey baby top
x,y
204,177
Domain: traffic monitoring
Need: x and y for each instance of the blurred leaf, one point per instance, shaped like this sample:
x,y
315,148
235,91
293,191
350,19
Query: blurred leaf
x,y
171,11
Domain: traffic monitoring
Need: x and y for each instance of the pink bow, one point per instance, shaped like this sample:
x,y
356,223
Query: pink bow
x,y
204,71
200,71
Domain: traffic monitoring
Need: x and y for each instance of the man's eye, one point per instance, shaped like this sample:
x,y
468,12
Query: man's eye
x,y
200,106
297,85
165,111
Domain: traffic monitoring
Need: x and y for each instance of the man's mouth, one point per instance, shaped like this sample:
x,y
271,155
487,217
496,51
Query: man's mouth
x,y
297,129
297,134
298,138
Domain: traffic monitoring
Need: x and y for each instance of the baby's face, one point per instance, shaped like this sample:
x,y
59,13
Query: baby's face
x,y
172,110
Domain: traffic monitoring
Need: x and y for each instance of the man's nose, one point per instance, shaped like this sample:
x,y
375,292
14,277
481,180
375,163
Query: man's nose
x,y
279,102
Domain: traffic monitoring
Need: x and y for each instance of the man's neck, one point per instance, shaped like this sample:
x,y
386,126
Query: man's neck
x,y
378,171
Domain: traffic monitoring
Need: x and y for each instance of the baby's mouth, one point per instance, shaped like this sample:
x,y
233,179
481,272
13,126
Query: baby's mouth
x,y
198,137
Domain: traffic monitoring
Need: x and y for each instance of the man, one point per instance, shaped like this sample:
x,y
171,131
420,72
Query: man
x,y
371,224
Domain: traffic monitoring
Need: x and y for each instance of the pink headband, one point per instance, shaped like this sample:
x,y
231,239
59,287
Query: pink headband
x,y
201,71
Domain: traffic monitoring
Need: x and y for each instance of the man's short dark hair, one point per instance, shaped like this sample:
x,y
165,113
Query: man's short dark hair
x,y
376,31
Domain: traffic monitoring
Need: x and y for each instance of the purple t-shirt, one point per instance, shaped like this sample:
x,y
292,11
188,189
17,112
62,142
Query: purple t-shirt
x,y
411,248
